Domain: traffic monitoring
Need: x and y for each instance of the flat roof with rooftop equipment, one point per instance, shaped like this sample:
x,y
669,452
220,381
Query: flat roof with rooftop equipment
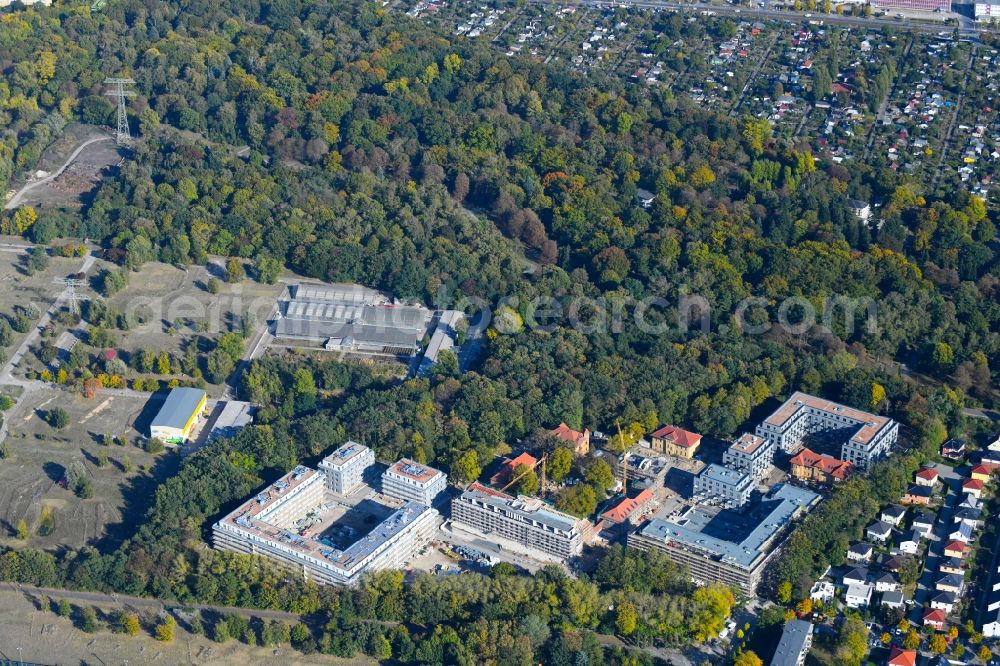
x,y
271,524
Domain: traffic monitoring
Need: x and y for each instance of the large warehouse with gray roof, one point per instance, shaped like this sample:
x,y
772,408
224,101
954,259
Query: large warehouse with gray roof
x,y
357,320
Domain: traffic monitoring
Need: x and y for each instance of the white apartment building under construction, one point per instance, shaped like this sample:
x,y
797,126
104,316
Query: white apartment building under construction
x,y
751,454
265,525
409,480
867,437
345,468
526,521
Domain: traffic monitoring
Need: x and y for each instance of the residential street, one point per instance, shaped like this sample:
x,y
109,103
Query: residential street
x,y
935,551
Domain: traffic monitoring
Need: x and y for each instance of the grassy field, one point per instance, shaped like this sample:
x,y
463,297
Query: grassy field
x,y
47,638
29,480
19,289
175,306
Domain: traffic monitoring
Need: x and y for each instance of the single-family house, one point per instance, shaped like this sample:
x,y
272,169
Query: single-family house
x,y
973,487
961,532
878,531
858,596
909,542
893,599
506,471
578,441
886,582
644,197
858,576
969,502
861,209
928,477
950,583
860,552
894,562
675,441
982,472
953,448
951,565
923,522
955,549
971,516
918,495
934,618
893,514
822,591
944,601
900,657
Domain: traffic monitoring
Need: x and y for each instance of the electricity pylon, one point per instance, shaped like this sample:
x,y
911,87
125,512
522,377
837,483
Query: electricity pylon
x,y
122,135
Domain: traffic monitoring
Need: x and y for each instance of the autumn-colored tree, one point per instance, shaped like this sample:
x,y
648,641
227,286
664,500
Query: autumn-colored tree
x,y
702,177
626,618
938,644
452,63
91,386
466,468
165,629
878,395
234,270
560,463
748,658
912,640
128,623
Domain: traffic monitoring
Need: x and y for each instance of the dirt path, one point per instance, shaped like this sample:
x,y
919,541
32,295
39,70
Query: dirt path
x,y
12,204
120,600
7,372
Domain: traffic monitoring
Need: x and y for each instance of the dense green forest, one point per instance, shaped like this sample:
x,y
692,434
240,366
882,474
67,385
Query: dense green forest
x,y
382,153
367,132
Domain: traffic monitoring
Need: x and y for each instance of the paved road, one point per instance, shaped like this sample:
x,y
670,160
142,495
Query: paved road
x,y
935,551
259,342
976,413
142,602
30,186
789,15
